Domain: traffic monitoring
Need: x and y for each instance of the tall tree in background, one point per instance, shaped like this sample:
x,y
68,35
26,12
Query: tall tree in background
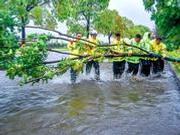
x,y
22,9
74,27
43,17
109,22
166,14
85,11
138,29
131,29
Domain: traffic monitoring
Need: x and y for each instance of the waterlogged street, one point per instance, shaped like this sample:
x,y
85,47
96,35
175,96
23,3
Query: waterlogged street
x,y
37,35
124,107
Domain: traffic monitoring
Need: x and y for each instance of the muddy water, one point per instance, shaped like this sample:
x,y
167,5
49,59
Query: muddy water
x,y
124,107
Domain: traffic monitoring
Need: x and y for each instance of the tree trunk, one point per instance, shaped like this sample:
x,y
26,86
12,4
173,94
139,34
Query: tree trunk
x,y
109,38
23,32
88,27
23,35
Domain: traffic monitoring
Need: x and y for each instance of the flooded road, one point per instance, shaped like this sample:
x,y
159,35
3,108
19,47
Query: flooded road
x,y
123,107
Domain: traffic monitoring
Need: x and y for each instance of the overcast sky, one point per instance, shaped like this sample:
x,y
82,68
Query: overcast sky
x,y
132,9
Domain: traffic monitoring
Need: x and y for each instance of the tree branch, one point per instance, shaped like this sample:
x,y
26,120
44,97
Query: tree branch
x,y
30,7
128,45
61,34
91,43
120,55
67,53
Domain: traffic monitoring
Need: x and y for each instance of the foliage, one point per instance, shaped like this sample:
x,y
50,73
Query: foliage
x,y
176,65
22,8
8,40
108,22
166,14
139,29
177,68
74,27
28,62
62,9
175,53
42,16
57,45
131,29
84,12
25,10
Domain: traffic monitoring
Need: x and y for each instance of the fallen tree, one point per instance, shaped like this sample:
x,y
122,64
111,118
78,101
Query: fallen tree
x,y
30,63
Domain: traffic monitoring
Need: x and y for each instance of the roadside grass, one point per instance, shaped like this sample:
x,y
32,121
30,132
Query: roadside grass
x,y
176,66
61,49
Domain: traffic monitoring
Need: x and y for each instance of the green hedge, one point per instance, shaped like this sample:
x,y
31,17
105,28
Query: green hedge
x,y
57,45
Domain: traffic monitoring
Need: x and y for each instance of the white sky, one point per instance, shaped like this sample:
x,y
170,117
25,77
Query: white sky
x,y
134,10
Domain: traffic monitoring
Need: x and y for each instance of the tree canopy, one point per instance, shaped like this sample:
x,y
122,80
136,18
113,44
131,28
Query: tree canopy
x,y
166,14
109,22
84,12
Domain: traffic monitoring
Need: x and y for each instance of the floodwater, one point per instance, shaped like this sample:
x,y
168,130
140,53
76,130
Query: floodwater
x,y
150,106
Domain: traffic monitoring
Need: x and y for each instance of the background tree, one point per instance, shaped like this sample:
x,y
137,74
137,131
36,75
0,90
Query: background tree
x,y
109,22
166,14
22,9
74,27
131,29
138,29
85,11
43,17
62,9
